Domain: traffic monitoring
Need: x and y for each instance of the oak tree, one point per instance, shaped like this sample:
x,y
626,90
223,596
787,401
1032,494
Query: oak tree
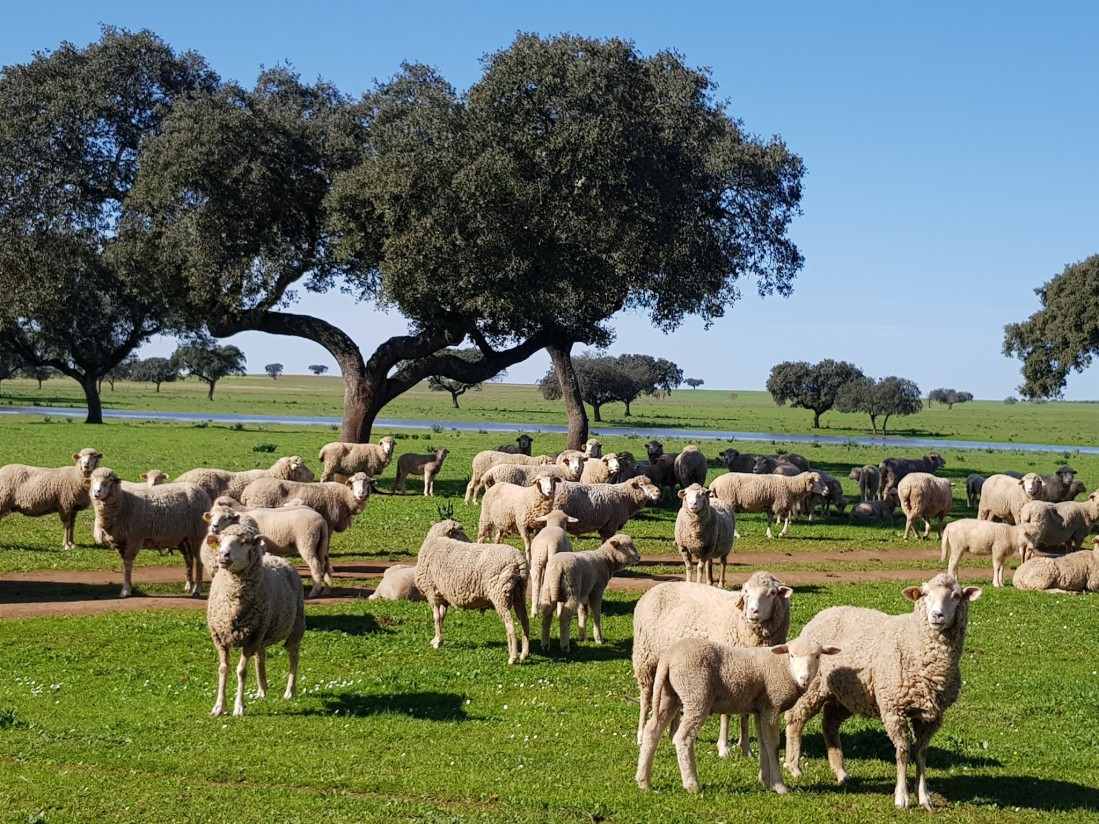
x,y
810,386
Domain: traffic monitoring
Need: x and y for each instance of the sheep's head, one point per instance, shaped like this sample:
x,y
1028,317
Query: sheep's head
x,y
220,517
87,459
803,659
361,485
593,449
236,548
654,449
856,473
101,482
546,485
387,444
935,459
1066,474
695,498
575,465
1032,484
612,463
646,486
728,457
155,477
558,518
448,529
524,442
763,465
758,596
441,453
1026,539
626,549
942,599
814,483
298,471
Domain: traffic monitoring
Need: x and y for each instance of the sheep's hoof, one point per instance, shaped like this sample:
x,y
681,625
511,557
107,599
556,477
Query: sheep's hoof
x,y
126,592
644,784
793,769
219,709
436,642
780,789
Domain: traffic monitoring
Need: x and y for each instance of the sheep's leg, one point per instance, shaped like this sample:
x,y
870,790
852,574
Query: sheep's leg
x,y
926,527
564,620
223,674
293,652
547,619
519,604
582,621
923,730
723,738
724,564
596,607
684,740
439,612
469,490
649,736
896,727
646,697
770,772
997,571
316,572
785,525
68,524
831,719
686,565
261,672
127,574
242,676
745,741
806,707
504,612
907,528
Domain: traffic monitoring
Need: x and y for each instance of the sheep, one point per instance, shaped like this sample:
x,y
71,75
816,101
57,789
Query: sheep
x,y
871,510
800,461
339,503
218,482
654,449
36,490
602,470
697,677
510,509
766,465
1063,524
342,459
1057,486
575,581
973,485
551,539
734,461
986,538
704,530
903,669
520,447
922,495
893,469
1070,574
691,467
451,571
427,465
833,496
757,615
1003,497
255,601
627,465
592,448
1075,490
158,517
287,531
523,475
398,584
604,508
869,478
488,457
661,472
777,495
154,477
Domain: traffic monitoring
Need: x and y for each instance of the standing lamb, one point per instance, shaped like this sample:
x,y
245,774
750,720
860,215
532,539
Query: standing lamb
x,y
1070,574
255,602
604,508
345,459
924,496
691,467
451,571
523,475
218,482
36,490
973,485
520,447
902,669
488,458
1003,496
339,503
575,581
697,677
985,538
869,478
704,530
510,509
894,469
398,584
550,540
777,495
427,465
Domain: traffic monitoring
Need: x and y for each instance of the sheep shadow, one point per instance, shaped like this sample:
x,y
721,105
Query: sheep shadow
x,y
425,706
364,624
22,592
1023,792
870,744
581,651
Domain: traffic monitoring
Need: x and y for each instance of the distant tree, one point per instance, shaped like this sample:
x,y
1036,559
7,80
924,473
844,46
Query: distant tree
x,y
606,379
10,365
209,363
810,386
948,397
455,387
155,371
120,372
274,370
694,383
318,368
1010,400
38,373
880,399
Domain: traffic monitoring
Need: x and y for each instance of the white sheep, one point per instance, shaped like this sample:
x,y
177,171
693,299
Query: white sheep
x,y
575,581
1061,525
1070,574
601,470
869,478
398,584
451,571
510,509
339,503
37,490
157,517
592,448
551,539
490,457
218,482
883,510
777,495
902,669
255,601
922,495
691,467
604,508
342,459
1003,496
154,477
973,485
756,615
523,474
697,677
704,528
986,538
427,465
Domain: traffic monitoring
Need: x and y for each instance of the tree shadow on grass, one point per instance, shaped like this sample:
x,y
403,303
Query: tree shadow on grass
x,y
427,706
22,592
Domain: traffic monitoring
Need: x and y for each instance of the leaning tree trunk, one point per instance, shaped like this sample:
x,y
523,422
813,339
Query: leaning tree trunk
x,y
561,358
91,397
454,399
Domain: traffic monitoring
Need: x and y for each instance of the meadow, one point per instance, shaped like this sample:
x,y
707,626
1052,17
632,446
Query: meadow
x,y
105,717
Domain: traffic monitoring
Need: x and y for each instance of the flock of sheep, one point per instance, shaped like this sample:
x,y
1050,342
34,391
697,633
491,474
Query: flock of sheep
x,y
698,649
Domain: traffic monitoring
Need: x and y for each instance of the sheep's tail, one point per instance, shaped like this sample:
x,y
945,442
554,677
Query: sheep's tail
x,y
660,685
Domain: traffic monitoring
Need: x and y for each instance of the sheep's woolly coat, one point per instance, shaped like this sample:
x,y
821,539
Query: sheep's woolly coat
x,y
1003,496
690,467
339,503
522,475
219,482
551,539
985,538
510,509
1065,524
36,490
777,495
398,584
604,508
490,457
869,478
427,465
704,530
342,459
922,495
1068,575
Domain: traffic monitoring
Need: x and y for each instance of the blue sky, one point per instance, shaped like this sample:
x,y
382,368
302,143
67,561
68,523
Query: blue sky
x,y
950,149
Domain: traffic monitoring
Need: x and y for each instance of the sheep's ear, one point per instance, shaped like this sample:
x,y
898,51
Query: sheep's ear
x,y
76,456
144,476
87,483
613,543
711,492
913,593
207,517
573,520
213,541
785,592
780,649
259,545
682,494
828,649
971,593
739,601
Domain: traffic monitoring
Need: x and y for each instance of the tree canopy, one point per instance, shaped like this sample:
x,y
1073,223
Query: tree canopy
x,y
880,399
607,379
155,371
318,368
810,386
209,362
694,383
274,370
949,397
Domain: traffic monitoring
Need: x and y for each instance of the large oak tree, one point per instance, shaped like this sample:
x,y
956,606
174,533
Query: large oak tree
x,y
810,386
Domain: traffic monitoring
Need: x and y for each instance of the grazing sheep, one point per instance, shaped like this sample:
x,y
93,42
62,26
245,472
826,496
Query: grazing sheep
x,y
833,496
869,478
601,470
973,485
398,584
510,509
800,461
1069,574
551,539
894,469
903,669
704,530
1061,525
575,581
451,571
1003,496
734,461
156,517
777,495
345,459
924,496
286,530
339,503
604,508
427,465
986,538
691,467
36,490
489,457
520,447
218,482
697,677
255,601
757,615
876,510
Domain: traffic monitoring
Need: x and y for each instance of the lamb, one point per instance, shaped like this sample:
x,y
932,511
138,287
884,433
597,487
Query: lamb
x,y
550,540
36,490
894,469
255,601
451,571
604,508
286,530
973,485
342,459
777,495
339,503
1070,574
757,615
510,509
986,538
697,677
520,447
880,510
903,669
1063,524
218,482
691,467
158,517
523,475
869,478
704,530
487,458
1003,497
575,582
602,470
398,584
924,496
427,465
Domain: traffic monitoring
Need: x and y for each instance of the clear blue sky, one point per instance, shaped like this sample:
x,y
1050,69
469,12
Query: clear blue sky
x,y
951,149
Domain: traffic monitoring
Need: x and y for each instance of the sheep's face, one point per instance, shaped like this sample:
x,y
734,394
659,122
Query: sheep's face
x,y
1067,475
154,477
575,465
612,463
299,471
935,459
728,457
387,444
1032,484
757,600
440,455
940,599
655,449
763,465
219,518
88,460
627,550
557,517
696,498
524,442
815,484
593,449
856,473
101,483
546,485
803,659
448,529
235,549
360,485
650,490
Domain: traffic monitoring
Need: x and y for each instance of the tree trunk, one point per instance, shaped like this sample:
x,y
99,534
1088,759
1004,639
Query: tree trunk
x,y
210,394
884,423
595,407
91,396
627,415
816,419
158,387
561,357
454,398
874,423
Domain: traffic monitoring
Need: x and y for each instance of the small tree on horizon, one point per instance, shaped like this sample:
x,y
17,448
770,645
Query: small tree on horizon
x,y
456,388
880,399
155,371
209,363
606,379
318,368
38,373
274,370
948,397
694,383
